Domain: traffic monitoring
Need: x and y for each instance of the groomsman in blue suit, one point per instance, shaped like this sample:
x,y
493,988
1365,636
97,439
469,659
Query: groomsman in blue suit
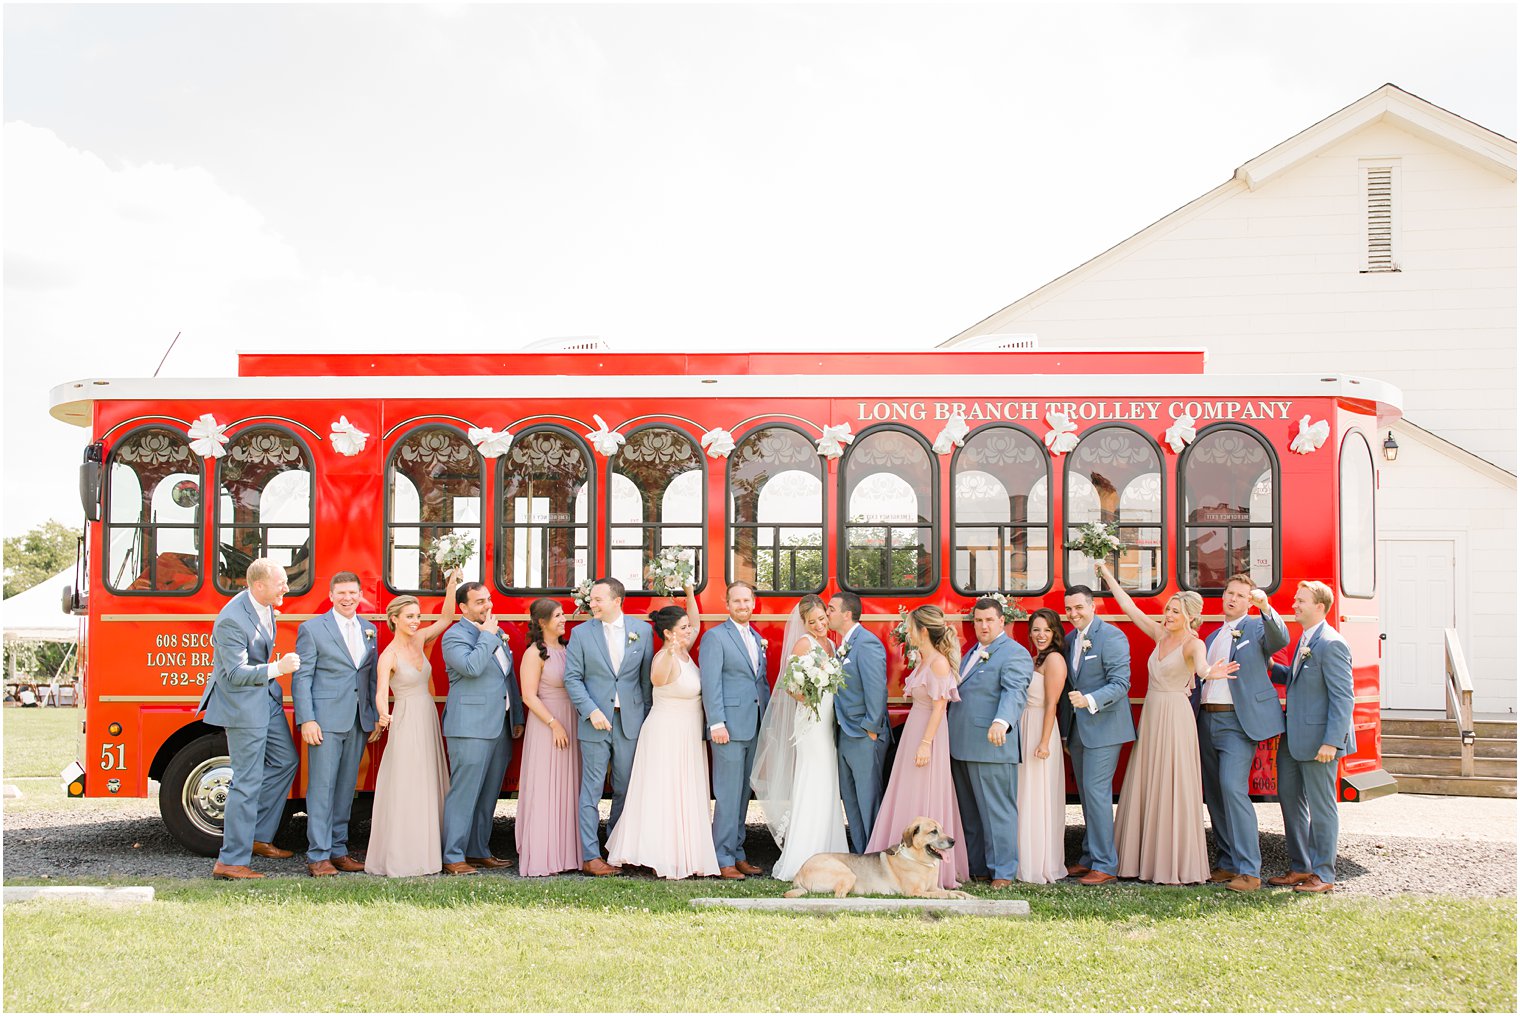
x,y
607,678
734,694
244,696
1235,715
860,710
984,744
1321,694
334,693
482,692
1096,722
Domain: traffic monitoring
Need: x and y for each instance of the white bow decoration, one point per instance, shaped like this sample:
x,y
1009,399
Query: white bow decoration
x,y
346,438
207,437
1062,436
835,437
1310,436
1181,433
718,442
490,442
603,440
953,436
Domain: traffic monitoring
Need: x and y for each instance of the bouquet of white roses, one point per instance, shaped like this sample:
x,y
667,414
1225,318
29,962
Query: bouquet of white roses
x,y
582,594
453,550
900,635
1097,541
813,675
1011,610
671,570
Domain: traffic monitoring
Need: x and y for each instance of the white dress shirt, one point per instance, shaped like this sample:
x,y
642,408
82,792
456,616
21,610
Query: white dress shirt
x,y
266,618
1217,693
617,644
1092,704
752,643
1303,642
351,636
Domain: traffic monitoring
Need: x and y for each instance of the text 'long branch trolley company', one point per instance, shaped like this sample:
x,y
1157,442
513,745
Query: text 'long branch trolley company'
x,y
908,478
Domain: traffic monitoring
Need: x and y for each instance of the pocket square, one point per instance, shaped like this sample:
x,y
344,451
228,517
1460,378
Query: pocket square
x,y
1094,656
1243,643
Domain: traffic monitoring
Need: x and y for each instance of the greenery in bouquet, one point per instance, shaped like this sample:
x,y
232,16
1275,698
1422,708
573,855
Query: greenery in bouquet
x,y
1011,610
813,675
453,550
899,635
582,595
672,570
1098,541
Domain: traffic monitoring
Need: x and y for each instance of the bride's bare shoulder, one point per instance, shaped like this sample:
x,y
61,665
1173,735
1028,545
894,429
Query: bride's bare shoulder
x,y
802,646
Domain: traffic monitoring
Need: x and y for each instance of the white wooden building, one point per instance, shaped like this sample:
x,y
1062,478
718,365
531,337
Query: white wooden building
x,y
1379,242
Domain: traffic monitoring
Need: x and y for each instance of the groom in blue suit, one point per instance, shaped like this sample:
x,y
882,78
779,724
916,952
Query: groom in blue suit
x,y
244,696
607,678
334,693
860,709
1096,722
1235,715
734,694
482,693
984,744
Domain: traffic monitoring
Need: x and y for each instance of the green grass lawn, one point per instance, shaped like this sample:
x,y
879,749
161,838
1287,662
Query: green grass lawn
x,y
40,742
494,943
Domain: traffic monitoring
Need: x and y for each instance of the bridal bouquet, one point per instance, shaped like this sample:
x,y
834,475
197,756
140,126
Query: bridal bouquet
x,y
1097,541
671,570
582,594
813,676
1011,610
453,550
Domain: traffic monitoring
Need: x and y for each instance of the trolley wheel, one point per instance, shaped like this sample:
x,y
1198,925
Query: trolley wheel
x,y
192,796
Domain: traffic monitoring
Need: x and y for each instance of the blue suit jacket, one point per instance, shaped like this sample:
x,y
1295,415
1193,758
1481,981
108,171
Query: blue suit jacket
x,y
861,705
591,684
327,687
239,690
993,689
1256,704
481,693
1102,671
1320,696
733,693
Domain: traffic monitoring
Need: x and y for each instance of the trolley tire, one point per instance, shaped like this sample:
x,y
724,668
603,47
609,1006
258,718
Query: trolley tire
x,y
193,785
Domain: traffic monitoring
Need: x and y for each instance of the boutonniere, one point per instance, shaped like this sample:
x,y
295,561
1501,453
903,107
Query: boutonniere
x,y
369,634
984,656
1086,644
1235,633
633,637
843,653
1303,654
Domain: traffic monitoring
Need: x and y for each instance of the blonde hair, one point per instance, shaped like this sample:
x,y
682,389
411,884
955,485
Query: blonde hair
x,y
1323,594
262,568
397,605
1191,605
942,635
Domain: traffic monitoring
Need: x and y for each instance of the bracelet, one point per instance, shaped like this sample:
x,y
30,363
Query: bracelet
x,y
927,740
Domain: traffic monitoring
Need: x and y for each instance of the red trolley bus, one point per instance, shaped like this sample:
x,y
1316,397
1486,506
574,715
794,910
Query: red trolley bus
x,y
905,477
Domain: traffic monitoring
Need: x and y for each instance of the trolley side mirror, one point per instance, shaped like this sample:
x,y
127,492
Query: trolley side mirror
x,y
89,481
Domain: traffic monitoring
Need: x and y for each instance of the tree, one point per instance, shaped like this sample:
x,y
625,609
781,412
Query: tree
x,y
40,554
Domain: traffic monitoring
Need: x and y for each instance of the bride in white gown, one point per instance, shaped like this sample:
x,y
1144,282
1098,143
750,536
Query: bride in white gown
x,y
796,774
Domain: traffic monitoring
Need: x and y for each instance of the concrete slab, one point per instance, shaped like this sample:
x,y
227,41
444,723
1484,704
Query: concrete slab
x,y
87,893
12,791
870,905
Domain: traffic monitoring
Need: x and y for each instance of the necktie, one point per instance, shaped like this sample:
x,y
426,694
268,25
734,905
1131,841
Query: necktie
x,y
969,662
615,646
753,642
355,646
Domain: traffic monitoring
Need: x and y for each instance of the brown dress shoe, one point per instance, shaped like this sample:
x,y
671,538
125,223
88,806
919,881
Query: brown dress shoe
x,y
220,870
598,867
1221,875
1244,883
732,872
749,869
346,863
320,868
270,850
1076,871
1096,877
1291,878
1001,883
1314,885
458,868
489,862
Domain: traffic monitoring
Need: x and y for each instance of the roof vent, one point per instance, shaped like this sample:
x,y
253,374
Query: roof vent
x,y
1381,187
570,344
1007,340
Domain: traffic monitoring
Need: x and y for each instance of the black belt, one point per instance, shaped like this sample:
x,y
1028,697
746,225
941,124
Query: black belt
x,y
1213,707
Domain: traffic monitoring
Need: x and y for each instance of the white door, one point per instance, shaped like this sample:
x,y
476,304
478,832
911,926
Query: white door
x,y
1419,604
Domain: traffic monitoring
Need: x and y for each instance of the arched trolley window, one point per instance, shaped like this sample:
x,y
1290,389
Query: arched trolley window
x,y
1358,521
1000,513
153,514
544,483
775,511
1114,476
1228,510
264,507
657,499
433,482
887,506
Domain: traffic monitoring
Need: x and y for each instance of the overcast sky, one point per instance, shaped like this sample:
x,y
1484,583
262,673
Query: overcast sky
x,y
463,177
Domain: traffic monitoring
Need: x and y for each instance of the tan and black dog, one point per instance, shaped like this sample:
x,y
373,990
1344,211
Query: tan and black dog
x,y
911,868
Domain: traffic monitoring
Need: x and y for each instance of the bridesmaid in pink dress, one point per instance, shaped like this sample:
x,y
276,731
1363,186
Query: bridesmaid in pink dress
x,y
406,830
549,781
666,823
1042,780
921,784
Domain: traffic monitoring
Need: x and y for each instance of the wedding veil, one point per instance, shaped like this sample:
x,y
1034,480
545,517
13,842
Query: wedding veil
x,y
775,749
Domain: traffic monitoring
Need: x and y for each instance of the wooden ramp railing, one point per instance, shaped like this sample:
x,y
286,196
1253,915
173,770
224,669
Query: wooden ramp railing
x,y
1459,693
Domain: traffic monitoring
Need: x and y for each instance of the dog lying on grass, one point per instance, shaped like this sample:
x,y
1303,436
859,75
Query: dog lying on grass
x,y
911,868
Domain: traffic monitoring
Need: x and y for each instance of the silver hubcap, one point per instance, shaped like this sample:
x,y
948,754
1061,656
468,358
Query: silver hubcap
x,y
205,794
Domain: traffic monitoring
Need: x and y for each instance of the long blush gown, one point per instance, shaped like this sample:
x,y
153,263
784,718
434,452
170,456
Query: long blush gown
x,y
406,832
548,840
1042,795
927,791
666,822
1159,827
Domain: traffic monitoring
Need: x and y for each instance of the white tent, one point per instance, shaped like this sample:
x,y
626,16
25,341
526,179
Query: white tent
x,y
37,614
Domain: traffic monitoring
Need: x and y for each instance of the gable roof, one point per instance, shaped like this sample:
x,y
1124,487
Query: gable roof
x,y
1390,103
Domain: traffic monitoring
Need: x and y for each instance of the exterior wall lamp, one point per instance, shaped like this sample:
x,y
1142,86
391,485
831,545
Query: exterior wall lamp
x,y
1390,448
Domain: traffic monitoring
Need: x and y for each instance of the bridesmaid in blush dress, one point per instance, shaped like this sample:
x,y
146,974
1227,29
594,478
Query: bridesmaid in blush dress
x,y
921,784
406,831
1159,827
666,824
548,785
1042,778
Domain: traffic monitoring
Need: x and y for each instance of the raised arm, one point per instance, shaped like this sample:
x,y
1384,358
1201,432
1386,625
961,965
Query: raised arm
x,y
1127,604
693,614
230,641
1274,634
440,626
